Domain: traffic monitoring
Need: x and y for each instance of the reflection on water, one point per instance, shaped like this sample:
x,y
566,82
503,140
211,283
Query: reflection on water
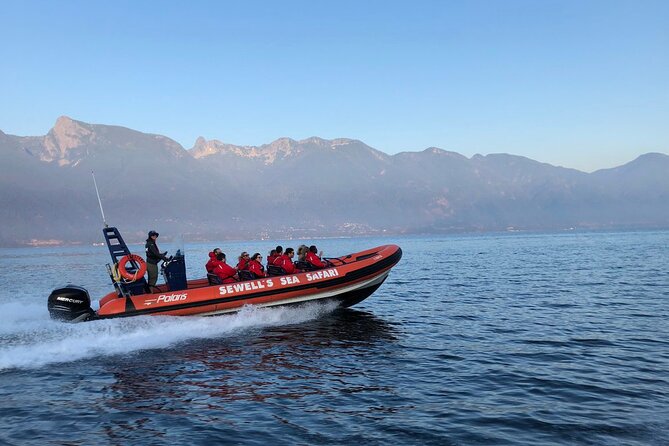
x,y
259,365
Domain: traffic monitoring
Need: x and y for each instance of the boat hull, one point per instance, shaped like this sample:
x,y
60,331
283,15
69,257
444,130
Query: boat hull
x,y
348,281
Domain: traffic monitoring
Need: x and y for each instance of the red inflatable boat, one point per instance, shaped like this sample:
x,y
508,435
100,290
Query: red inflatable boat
x,y
347,280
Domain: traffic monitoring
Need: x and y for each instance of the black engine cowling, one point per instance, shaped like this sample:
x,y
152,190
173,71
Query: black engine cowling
x,y
70,303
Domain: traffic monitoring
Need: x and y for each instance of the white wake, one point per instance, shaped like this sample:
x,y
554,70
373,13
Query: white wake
x,y
29,339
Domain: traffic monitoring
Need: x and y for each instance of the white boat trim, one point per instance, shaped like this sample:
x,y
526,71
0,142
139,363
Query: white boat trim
x,y
309,297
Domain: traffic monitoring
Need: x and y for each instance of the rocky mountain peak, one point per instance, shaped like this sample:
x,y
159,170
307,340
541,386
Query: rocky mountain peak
x,y
445,153
315,140
200,142
201,148
345,142
65,135
283,143
281,148
332,144
67,128
204,148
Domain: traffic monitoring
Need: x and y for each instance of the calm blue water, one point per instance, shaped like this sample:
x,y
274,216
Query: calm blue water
x,y
509,339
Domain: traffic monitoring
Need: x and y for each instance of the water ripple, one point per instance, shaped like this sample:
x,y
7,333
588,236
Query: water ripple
x,y
516,339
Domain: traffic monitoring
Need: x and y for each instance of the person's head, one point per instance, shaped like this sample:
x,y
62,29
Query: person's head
x,y
301,249
153,234
279,250
220,256
290,252
272,252
216,251
313,249
244,256
257,257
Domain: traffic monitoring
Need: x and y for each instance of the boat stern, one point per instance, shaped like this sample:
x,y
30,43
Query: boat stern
x,y
70,303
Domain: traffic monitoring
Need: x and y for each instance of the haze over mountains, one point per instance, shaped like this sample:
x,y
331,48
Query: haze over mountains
x,y
307,188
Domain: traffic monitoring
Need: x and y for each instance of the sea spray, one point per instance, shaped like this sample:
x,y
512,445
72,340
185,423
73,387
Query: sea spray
x,y
38,342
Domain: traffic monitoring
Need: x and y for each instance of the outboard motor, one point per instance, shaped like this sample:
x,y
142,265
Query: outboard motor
x,y
70,303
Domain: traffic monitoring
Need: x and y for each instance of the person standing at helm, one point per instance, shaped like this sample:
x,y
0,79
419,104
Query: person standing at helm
x,y
153,256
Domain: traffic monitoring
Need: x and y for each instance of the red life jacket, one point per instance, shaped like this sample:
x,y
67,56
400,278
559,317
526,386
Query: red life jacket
x,y
242,265
272,259
224,271
256,268
315,260
285,263
210,264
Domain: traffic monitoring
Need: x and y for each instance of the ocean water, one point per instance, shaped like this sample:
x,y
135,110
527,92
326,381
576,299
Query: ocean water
x,y
499,339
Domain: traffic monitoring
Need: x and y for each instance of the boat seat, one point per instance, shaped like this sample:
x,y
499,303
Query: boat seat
x,y
304,266
274,270
213,279
245,275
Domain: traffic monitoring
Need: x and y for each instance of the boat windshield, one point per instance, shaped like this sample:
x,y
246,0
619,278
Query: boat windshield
x,y
177,246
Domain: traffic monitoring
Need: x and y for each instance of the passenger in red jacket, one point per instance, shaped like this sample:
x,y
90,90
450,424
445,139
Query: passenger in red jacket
x,y
313,259
243,261
212,258
225,272
274,254
286,261
255,266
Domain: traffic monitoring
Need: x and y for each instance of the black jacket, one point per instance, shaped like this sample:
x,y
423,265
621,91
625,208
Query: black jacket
x,y
153,256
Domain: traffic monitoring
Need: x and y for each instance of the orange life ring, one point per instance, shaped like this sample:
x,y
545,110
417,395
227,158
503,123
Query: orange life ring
x,y
140,271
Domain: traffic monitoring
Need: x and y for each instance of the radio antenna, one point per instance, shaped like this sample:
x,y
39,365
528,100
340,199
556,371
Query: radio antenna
x,y
99,201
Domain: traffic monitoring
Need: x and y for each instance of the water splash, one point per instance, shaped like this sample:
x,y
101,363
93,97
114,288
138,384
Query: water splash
x,y
34,341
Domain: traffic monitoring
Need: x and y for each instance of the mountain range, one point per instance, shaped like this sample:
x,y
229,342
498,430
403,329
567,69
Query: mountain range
x,y
308,188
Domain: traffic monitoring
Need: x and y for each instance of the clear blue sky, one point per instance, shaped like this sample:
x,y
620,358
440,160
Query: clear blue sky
x,y
581,84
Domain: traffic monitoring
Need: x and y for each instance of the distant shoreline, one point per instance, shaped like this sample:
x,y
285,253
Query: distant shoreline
x,y
54,243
